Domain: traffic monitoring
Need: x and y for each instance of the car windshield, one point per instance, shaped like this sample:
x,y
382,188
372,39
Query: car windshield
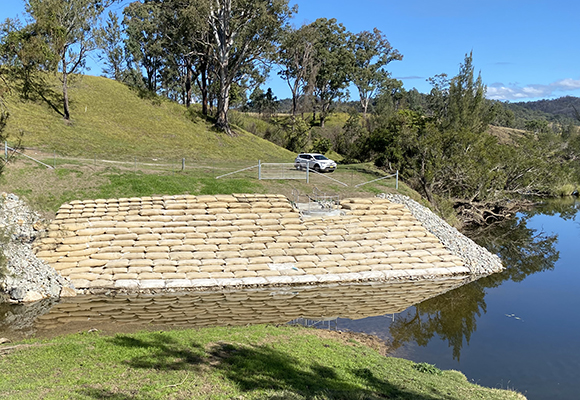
x,y
320,157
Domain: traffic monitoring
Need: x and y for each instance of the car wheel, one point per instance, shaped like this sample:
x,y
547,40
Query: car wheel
x,y
317,168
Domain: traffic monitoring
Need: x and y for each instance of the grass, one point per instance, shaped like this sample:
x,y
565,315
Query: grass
x,y
111,121
259,362
47,189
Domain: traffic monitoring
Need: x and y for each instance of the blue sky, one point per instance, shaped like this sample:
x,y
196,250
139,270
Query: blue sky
x,y
525,50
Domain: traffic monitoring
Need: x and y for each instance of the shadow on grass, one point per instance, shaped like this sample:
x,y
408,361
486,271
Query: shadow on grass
x,y
106,394
165,353
257,368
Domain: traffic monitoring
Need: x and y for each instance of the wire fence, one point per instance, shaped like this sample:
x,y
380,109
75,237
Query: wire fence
x,y
218,169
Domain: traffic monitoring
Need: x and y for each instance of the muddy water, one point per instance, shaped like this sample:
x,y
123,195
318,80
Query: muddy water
x,y
125,313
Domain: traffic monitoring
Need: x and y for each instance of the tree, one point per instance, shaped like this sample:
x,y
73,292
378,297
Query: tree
x,y
241,33
70,29
372,52
263,103
467,108
143,41
4,114
111,42
333,63
296,57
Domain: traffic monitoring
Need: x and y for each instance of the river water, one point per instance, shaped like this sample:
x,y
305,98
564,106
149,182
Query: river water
x,y
519,329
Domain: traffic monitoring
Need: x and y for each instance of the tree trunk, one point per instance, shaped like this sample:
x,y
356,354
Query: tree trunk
x,y
203,88
65,93
188,79
223,106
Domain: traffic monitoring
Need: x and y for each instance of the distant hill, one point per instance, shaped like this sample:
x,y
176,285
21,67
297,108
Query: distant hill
x,y
562,106
559,110
109,120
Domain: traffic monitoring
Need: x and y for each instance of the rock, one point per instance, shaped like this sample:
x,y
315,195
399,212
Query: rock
x,y
68,292
4,340
17,293
23,272
32,296
476,258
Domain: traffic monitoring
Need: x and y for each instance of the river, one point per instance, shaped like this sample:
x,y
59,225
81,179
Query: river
x,y
519,329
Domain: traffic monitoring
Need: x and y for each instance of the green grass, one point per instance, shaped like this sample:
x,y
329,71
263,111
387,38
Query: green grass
x,y
111,121
259,362
47,189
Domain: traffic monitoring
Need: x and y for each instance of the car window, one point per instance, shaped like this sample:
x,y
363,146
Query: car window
x,y
320,157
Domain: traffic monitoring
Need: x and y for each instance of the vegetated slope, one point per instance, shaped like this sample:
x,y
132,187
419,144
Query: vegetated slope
x,y
555,110
109,120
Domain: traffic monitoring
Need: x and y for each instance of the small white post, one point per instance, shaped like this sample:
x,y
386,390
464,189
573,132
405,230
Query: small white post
x,y
182,164
307,173
397,181
259,170
6,150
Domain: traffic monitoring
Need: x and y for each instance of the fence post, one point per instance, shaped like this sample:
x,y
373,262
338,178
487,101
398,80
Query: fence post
x,y
397,181
6,150
259,170
54,163
182,164
307,172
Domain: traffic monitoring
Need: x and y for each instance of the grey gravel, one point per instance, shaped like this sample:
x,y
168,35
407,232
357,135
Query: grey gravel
x,y
24,277
478,259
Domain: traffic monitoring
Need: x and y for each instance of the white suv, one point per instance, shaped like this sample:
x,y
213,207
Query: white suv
x,y
314,161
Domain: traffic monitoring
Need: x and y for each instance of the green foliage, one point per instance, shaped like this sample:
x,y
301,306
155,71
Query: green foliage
x,y
321,145
333,63
427,368
351,137
372,52
297,134
449,154
70,32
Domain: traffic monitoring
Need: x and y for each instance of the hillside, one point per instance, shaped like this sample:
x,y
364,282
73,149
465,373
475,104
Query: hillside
x,y
109,120
560,110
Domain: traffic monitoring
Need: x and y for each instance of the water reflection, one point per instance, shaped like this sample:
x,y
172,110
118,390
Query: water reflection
x,y
224,308
453,316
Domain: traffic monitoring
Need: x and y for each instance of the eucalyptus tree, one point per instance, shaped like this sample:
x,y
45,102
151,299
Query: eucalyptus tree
x,y
23,53
241,34
372,52
296,58
333,63
70,31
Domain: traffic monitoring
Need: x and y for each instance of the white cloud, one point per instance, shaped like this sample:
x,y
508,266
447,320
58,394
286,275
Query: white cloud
x,y
498,91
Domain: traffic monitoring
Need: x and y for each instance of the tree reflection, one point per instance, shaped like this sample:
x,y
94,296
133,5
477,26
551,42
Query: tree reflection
x,y
453,315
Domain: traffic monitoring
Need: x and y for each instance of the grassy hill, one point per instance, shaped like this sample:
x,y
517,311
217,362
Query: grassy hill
x,y
109,120
120,144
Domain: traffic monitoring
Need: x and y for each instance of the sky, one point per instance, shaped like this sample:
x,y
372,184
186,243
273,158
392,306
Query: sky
x,y
525,50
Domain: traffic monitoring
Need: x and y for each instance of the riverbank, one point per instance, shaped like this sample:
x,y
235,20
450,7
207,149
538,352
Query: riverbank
x,y
205,242
259,362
